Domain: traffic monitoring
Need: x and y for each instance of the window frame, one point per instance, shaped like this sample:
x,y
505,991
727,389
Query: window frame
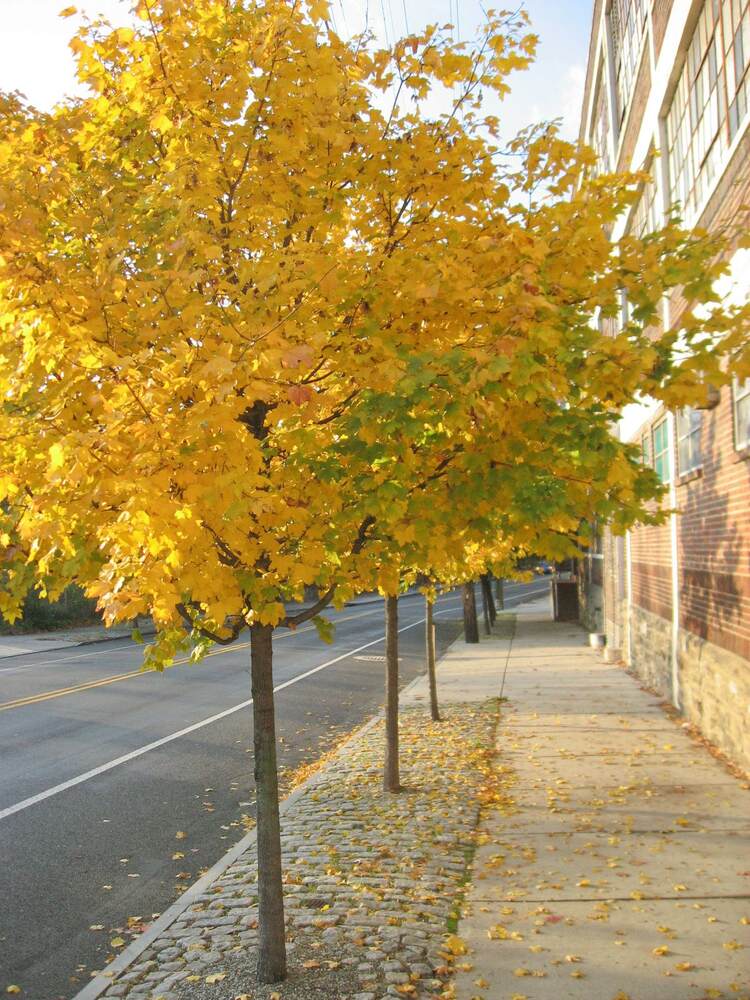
x,y
646,450
689,434
740,444
661,454
709,105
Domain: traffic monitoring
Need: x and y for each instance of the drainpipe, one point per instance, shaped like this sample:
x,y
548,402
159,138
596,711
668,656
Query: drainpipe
x,y
671,430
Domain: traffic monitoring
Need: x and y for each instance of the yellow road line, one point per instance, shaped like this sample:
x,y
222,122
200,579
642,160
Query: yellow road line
x,y
33,699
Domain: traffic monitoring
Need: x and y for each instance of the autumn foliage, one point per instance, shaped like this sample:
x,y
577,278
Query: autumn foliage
x,y
259,310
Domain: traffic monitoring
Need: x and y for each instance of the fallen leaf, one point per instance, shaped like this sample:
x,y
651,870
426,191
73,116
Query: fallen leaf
x,y
732,945
684,966
455,945
117,942
12,988
573,958
215,977
177,856
661,950
180,835
521,972
96,927
311,964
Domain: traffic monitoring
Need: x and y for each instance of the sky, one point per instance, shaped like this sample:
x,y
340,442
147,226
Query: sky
x,y
35,59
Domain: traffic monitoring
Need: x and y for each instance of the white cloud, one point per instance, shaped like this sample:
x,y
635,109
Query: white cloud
x,y
572,98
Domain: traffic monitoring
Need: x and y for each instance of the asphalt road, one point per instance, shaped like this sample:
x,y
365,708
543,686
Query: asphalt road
x,y
118,788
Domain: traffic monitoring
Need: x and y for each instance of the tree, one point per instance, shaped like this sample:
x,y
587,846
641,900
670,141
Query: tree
x,y
429,636
257,333
471,625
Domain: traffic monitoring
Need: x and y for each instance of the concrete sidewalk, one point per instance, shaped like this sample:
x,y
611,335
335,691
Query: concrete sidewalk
x,y
615,862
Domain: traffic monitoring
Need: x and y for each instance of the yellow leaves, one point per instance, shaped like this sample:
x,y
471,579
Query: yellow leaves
x,y
215,977
454,945
68,12
573,958
117,942
56,457
177,856
160,123
732,945
319,10
684,966
499,933
660,951
180,835
12,989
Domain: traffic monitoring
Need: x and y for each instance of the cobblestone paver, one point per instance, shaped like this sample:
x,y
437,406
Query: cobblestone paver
x,y
373,878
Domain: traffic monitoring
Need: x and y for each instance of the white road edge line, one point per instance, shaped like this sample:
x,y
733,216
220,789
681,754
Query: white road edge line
x,y
103,768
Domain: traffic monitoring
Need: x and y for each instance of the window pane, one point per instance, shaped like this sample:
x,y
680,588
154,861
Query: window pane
x,y
742,413
708,73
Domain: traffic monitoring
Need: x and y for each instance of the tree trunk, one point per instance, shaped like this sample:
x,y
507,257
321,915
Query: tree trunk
x,y
391,782
271,932
471,626
429,636
485,608
499,594
487,587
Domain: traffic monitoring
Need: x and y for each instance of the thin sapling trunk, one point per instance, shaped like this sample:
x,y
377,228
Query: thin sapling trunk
x,y
391,781
471,625
429,637
271,932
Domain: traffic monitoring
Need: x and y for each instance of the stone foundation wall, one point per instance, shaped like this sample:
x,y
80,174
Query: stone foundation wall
x,y
715,695
714,683
651,650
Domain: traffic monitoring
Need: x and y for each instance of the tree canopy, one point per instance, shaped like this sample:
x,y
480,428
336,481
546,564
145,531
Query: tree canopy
x,y
266,323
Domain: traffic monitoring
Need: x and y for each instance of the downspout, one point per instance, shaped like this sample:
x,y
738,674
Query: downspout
x,y
671,428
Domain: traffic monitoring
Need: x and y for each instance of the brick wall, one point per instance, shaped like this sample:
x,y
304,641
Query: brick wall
x,y
714,537
634,116
659,18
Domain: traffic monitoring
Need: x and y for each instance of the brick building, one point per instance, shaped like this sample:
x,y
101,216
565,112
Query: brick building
x,y
668,91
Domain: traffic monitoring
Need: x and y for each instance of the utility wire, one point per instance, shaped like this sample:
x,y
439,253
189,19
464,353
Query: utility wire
x,y
385,22
406,18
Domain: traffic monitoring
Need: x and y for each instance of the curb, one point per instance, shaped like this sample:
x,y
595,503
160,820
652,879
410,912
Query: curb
x,y
103,980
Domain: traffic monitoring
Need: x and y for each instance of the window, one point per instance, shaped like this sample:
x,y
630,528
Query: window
x,y
741,406
689,423
710,104
627,21
646,449
600,129
661,451
646,217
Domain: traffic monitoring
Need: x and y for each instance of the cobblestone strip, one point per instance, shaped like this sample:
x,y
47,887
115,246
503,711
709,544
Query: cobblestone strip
x,y
373,877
